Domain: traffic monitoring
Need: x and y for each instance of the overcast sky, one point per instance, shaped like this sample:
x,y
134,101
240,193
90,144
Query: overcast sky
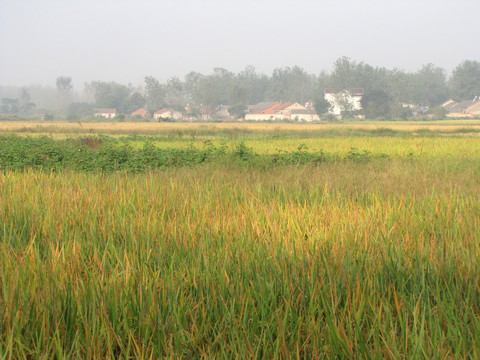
x,y
124,40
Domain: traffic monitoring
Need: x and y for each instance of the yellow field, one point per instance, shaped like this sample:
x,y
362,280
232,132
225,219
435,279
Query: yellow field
x,y
144,246
126,127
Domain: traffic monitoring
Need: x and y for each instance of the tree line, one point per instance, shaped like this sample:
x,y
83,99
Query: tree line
x,y
385,90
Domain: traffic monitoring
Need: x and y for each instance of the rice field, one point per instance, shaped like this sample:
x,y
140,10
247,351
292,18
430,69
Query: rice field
x,y
155,128
378,258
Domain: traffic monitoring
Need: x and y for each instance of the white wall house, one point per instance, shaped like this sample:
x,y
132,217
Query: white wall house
x,y
106,113
345,100
167,114
280,111
304,115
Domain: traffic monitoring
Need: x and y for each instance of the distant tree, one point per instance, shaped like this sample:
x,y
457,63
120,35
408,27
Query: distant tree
x,y
215,89
254,86
111,95
155,93
438,112
77,109
430,85
345,103
238,94
192,88
401,86
194,112
321,105
238,111
64,87
291,84
10,106
25,102
345,74
465,80
174,94
377,103
134,102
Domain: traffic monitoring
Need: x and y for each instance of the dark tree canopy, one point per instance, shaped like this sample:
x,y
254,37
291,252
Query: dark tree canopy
x,y
387,91
465,80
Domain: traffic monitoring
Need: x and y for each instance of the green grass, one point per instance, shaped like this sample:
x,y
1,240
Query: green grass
x,y
242,256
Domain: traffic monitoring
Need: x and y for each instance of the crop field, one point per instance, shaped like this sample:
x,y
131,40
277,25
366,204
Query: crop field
x,y
242,241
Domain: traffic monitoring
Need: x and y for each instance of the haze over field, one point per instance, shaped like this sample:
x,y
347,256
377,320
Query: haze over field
x,y
125,40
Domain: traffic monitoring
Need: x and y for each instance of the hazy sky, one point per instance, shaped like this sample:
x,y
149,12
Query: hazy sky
x,y
124,40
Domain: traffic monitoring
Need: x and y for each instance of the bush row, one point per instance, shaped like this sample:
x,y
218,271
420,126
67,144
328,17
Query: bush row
x,y
109,154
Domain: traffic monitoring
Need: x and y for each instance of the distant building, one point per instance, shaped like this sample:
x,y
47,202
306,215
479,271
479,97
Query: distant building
x,y
222,113
449,104
465,109
345,100
167,114
474,109
106,113
280,111
261,106
304,115
140,112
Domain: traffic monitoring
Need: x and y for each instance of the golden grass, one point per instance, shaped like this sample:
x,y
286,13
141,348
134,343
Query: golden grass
x,y
105,127
339,261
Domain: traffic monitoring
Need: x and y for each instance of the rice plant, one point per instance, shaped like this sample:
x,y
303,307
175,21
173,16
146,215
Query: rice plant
x,y
336,260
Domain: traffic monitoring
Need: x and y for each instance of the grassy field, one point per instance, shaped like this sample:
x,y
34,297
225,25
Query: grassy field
x,y
155,128
272,241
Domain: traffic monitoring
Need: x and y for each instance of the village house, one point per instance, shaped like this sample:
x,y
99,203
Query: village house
x,y
449,104
106,113
304,115
167,114
474,109
260,106
140,112
462,109
222,113
266,113
219,112
280,111
345,100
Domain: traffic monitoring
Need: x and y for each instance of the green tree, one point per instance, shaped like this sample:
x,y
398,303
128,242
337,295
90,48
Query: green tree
x,y
215,89
430,85
291,84
321,105
238,111
191,85
154,94
111,95
465,80
77,109
253,85
174,94
10,106
25,105
344,75
134,102
64,88
345,103
377,103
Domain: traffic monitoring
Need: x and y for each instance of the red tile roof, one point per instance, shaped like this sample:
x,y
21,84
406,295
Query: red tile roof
x,y
269,110
285,105
142,112
272,109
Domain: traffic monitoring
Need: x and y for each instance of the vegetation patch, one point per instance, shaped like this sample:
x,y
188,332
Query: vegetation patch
x,y
110,154
350,243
